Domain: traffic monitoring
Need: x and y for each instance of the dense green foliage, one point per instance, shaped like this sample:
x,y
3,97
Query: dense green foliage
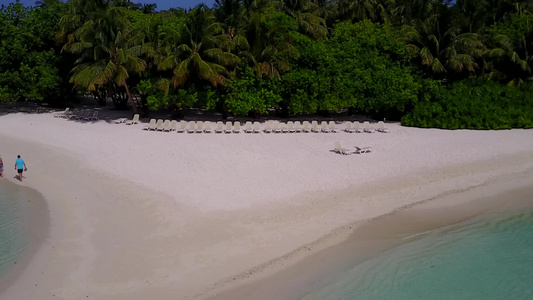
x,y
429,63
30,64
475,104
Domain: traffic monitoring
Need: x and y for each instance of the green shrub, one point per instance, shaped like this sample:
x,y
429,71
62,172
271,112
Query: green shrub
x,y
474,104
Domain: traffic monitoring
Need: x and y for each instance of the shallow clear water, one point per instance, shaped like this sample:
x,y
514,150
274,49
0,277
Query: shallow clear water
x,y
14,223
486,258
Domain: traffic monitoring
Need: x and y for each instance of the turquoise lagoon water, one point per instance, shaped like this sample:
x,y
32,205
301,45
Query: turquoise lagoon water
x,y
487,258
14,224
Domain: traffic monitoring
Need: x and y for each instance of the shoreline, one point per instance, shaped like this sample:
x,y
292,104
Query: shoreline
x,y
369,238
38,230
126,226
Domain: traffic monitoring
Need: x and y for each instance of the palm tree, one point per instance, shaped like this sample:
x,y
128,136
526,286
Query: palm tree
x,y
303,11
109,50
194,54
356,10
441,53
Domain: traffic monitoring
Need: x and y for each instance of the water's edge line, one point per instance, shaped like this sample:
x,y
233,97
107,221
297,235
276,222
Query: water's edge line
x,y
341,235
38,232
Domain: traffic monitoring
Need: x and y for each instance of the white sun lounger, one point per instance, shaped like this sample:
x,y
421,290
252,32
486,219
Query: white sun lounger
x,y
220,127
192,127
182,126
381,127
297,126
340,150
332,126
62,114
237,127
324,127
356,126
306,127
256,127
362,150
368,128
135,120
348,127
199,127
165,126
72,114
207,127
173,125
267,127
92,116
120,120
151,125
83,113
159,125
228,127
248,127
283,127
290,126
276,127
314,126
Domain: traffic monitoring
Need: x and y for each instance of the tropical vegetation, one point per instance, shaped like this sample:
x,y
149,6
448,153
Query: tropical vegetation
x,y
428,63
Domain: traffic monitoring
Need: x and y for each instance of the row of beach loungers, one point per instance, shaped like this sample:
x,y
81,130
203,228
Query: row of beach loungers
x,y
78,114
255,127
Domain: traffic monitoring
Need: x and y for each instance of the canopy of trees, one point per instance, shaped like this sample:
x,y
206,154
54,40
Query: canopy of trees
x,y
430,63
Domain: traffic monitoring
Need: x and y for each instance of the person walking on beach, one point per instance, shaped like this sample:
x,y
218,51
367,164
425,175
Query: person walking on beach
x,y
1,167
20,165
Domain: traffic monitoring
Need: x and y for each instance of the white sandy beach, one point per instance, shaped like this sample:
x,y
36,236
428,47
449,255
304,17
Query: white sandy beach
x,y
154,215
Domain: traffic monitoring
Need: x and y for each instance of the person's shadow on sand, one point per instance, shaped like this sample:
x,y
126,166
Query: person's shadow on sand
x,y
18,178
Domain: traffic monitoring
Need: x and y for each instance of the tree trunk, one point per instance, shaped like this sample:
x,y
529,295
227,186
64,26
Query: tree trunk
x,y
130,98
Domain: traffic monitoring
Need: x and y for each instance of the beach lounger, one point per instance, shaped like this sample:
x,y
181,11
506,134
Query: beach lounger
x,y
340,150
207,127
228,127
83,113
120,120
314,126
173,125
199,127
290,126
237,127
165,126
158,125
332,126
348,127
220,127
248,127
306,127
92,117
324,127
72,114
363,150
276,127
267,127
283,127
87,115
368,128
257,127
381,127
192,127
182,127
62,114
356,126
135,120
297,126
151,125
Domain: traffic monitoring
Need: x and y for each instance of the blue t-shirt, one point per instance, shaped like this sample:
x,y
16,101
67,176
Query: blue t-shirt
x,y
20,163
